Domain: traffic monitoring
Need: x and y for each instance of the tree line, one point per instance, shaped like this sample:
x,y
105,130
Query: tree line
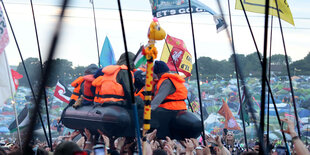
x,y
209,68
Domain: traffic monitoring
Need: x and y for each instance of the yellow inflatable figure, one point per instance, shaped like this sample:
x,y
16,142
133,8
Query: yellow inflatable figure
x,y
155,33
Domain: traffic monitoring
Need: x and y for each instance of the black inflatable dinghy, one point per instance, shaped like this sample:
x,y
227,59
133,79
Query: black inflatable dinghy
x,y
118,121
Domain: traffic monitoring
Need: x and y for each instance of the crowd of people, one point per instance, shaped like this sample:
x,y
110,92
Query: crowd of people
x,y
110,85
98,144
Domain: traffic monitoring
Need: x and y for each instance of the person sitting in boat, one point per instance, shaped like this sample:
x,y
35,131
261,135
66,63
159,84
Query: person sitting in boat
x,y
112,85
82,94
170,91
140,77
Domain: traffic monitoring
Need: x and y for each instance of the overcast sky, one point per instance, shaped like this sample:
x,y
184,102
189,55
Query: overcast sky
x,y
78,44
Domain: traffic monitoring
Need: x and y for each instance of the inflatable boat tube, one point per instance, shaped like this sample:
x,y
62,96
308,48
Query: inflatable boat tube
x,y
118,121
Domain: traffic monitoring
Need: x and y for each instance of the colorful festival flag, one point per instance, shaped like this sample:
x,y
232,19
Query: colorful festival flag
x,y
16,76
162,8
179,56
107,54
6,82
139,59
23,119
244,109
62,92
258,6
230,120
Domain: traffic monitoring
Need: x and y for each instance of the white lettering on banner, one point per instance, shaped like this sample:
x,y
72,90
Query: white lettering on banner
x,y
182,10
173,12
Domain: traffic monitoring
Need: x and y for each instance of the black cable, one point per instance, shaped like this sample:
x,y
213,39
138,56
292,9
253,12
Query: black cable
x,y
41,64
46,76
262,149
92,2
196,66
134,105
288,70
267,82
176,69
237,76
269,74
27,75
240,72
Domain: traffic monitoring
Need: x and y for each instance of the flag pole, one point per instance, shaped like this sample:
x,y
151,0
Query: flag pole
x,y
246,92
28,79
175,66
288,70
13,100
41,65
269,74
197,75
133,103
27,149
93,7
237,76
267,82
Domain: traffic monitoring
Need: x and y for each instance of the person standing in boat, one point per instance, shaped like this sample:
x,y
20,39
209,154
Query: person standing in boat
x,y
112,82
170,91
82,94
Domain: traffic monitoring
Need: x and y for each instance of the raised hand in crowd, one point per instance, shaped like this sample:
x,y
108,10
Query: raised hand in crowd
x,y
106,139
189,146
73,135
119,143
299,146
168,149
151,136
88,143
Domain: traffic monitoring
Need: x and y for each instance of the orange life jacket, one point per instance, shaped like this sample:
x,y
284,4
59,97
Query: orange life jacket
x,y
87,94
141,93
77,87
97,83
174,101
107,87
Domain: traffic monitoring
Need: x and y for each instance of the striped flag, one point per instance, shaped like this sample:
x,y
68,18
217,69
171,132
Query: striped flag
x,y
23,119
62,92
139,59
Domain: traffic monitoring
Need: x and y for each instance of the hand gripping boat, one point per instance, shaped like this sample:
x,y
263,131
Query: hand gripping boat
x,y
118,121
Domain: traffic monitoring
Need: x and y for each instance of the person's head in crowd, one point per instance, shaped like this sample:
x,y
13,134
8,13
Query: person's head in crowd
x,y
230,136
159,152
91,69
122,60
160,68
139,79
2,151
249,153
67,148
256,147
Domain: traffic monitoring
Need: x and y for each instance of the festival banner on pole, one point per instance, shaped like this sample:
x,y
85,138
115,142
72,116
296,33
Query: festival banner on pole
x,y
107,54
162,8
179,55
258,6
230,120
62,92
6,82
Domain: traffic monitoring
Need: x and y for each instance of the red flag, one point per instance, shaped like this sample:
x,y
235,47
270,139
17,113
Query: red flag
x,y
62,92
16,76
175,52
230,120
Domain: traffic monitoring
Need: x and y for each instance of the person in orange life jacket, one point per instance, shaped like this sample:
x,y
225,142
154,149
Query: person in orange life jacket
x,y
140,77
170,91
82,86
118,91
